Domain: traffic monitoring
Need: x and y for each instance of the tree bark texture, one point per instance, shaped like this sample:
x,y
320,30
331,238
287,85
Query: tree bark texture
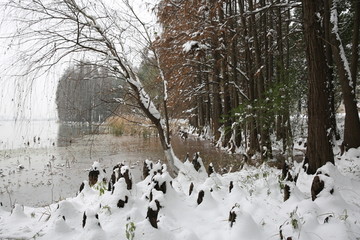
x,y
319,149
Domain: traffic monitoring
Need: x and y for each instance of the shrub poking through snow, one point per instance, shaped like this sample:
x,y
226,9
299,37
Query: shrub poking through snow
x,y
121,192
154,207
255,189
233,213
291,227
93,177
121,203
200,197
124,173
159,186
159,178
90,220
94,174
196,161
232,217
130,230
316,187
152,213
191,188
84,220
120,171
211,169
114,176
81,187
286,176
231,186
321,182
148,165
326,220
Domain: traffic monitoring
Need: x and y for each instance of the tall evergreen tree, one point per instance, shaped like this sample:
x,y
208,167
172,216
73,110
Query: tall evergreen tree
x,y
319,148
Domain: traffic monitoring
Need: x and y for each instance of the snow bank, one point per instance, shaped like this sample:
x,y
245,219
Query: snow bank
x,y
252,208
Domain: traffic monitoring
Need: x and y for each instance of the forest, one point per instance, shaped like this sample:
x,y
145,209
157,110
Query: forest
x,y
258,78
85,94
245,69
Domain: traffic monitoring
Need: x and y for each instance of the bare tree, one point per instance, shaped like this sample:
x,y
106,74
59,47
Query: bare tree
x,y
109,34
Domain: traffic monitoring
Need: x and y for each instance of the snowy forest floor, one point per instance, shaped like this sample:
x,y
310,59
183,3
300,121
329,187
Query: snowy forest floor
x,y
256,200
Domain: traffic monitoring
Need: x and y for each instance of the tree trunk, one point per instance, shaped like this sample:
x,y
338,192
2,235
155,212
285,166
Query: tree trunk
x,y
234,62
280,70
262,118
251,122
152,113
319,149
288,139
352,121
329,60
216,58
355,43
225,81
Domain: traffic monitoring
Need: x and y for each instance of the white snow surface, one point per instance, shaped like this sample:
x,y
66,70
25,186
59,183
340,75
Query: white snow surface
x,y
256,199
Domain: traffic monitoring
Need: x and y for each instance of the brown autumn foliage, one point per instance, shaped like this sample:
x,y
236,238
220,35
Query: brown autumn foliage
x,y
244,69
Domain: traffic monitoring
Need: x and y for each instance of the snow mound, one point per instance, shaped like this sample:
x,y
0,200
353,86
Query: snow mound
x,y
242,205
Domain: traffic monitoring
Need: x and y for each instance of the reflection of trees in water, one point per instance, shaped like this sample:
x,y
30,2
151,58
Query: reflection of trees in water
x,y
146,148
69,131
85,94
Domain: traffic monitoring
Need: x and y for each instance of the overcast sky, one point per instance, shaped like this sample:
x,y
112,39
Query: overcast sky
x,y
29,97
22,97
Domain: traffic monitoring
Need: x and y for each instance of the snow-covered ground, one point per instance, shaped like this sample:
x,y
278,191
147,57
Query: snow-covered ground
x,y
256,199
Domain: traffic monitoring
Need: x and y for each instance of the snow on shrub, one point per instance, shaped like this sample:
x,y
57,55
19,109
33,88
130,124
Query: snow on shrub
x,y
160,207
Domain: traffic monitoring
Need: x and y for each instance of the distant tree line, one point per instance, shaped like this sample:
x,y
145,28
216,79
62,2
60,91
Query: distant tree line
x,y
86,93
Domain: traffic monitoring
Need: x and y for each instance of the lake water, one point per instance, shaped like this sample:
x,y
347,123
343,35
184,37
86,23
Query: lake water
x,y
44,161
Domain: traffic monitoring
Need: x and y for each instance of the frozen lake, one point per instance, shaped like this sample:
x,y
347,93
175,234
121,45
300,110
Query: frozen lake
x,y
54,158
34,134
44,161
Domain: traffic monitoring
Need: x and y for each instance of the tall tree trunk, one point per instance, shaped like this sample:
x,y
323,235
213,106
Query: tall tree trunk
x,y
352,121
207,101
200,122
329,59
280,70
319,149
234,62
288,140
355,43
216,100
253,131
225,79
262,114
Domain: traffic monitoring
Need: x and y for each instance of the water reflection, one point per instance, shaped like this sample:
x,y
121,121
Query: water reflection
x,y
58,155
68,132
222,162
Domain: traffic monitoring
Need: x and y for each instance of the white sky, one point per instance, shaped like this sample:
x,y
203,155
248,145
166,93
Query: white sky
x,y
23,97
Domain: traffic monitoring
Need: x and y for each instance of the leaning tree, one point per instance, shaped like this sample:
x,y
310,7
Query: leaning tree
x,y
109,33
